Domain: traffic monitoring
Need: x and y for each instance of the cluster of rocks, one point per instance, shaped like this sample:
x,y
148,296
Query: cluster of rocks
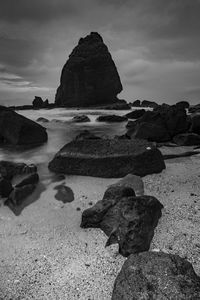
x,y
166,123
15,195
128,218
16,129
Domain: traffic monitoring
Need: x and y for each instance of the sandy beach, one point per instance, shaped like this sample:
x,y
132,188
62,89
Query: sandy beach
x,y
46,255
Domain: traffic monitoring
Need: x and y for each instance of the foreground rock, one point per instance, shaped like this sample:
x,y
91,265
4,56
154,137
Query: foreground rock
x,y
152,275
15,129
108,158
10,169
89,77
80,119
125,219
111,118
22,190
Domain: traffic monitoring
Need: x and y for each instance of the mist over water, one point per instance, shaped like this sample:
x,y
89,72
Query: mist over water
x,y
61,130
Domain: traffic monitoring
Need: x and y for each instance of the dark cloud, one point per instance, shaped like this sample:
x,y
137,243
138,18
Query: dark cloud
x,y
37,10
151,41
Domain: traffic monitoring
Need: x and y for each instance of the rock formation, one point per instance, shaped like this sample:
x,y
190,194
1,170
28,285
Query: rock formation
x,y
16,129
89,77
126,219
108,158
156,276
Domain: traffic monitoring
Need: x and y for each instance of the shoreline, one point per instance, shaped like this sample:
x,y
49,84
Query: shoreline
x,y
46,255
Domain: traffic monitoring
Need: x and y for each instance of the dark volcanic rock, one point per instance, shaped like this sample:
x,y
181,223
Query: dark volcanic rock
x,y
195,123
182,104
10,169
156,276
80,119
125,219
119,105
147,103
19,194
86,135
108,158
111,118
17,130
150,132
136,114
136,103
187,139
161,124
31,179
89,77
38,102
41,119
5,187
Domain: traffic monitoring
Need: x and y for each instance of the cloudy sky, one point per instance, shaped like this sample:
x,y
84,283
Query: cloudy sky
x,y
154,43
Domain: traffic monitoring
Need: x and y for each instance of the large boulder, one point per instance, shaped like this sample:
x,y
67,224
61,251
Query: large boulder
x,y
187,139
31,179
161,124
136,103
156,276
135,114
90,76
16,129
111,118
183,104
195,123
5,187
10,169
149,131
108,158
127,220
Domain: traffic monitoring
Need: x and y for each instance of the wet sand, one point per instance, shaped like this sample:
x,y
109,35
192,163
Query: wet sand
x,y
46,255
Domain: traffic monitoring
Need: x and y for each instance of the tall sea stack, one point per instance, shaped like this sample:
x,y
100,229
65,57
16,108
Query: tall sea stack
x,y
89,76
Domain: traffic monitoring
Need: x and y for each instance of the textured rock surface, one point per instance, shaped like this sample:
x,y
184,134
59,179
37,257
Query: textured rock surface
x,y
80,119
161,124
17,130
89,77
10,169
108,158
135,114
125,219
156,276
86,135
187,139
111,118
5,187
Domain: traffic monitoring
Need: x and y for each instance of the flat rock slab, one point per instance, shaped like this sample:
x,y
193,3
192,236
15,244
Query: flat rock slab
x,y
156,276
127,220
108,158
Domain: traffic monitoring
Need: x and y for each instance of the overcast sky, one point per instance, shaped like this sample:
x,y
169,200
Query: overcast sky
x,y
155,45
